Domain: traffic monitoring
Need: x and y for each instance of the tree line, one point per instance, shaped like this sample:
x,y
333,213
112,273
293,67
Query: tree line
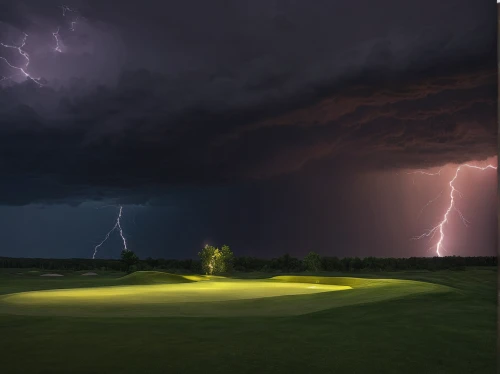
x,y
218,261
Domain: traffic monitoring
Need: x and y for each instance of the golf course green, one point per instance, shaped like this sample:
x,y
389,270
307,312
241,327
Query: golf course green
x,y
412,322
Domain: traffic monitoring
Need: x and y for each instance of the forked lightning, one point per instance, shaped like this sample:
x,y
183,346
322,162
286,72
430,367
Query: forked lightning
x,y
118,227
440,248
23,68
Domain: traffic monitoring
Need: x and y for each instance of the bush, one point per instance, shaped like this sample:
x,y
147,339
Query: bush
x,y
131,269
266,269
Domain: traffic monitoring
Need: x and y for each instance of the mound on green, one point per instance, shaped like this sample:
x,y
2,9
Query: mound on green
x,y
210,298
340,281
152,277
150,294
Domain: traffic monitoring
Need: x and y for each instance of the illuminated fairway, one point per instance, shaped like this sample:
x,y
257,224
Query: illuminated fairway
x,y
168,294
423,322
161,294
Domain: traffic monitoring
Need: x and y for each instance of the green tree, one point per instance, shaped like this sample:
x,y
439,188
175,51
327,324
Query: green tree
x,y
130,260
206,258
215,260
313,261
227,258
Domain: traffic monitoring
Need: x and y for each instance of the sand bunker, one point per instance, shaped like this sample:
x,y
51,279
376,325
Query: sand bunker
x,y
52,275
88,274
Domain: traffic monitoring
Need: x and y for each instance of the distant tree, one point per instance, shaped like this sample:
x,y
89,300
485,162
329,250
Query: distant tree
x,y
286,264
227,258
344,264
356,264
312,262
152,262
215,260
282,263
130,260
331,264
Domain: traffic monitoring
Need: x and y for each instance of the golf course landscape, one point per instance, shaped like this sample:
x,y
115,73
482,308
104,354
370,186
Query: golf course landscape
x,y
156,322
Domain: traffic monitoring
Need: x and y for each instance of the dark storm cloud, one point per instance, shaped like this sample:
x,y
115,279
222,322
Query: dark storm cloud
x,y
218,97
424,123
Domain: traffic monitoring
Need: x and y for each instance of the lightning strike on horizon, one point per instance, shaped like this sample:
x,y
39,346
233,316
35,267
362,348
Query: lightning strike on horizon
x,y
25,55
118,227
440,227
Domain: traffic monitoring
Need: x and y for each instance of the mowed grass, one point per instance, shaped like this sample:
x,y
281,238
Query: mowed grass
x,y
157,294
175,299
440,322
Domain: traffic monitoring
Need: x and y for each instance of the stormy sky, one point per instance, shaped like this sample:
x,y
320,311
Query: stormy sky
x,y
272,126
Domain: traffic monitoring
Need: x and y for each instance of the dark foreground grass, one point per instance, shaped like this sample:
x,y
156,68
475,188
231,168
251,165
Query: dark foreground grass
x,y
452,332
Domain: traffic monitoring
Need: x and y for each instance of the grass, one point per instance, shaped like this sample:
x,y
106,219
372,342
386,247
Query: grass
x,y
152,277
426,322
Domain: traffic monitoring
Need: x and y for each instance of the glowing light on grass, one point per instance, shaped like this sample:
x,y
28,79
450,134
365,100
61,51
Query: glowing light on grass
x,y
172,293
451,207
208,296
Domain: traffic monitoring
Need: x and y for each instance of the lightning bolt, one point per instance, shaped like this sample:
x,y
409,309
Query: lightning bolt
x,y
56,37
73,23
429,203
424,173
66,9
451,207
118,227
22,69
